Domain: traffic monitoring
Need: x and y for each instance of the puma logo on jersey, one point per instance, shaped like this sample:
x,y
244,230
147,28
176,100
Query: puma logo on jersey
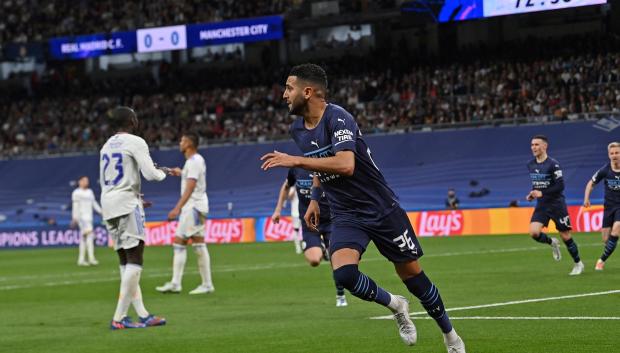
x,y
314,143
341,120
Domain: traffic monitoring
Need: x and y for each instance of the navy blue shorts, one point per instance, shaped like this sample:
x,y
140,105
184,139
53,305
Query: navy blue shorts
x,y
393,236
557,212
610,216
315,239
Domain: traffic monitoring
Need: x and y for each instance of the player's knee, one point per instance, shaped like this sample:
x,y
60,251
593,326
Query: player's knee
x,y
198,249
314,262
347,276
534,233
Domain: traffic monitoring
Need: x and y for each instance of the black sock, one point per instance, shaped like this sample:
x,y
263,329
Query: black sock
x,y
429,297
543,238
610,246
572,249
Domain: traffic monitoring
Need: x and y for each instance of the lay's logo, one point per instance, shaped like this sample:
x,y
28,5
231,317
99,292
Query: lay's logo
x,y
431,223
590,219
224,230
283,231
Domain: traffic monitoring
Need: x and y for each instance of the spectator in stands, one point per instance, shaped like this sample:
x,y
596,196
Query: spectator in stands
x,y
452,202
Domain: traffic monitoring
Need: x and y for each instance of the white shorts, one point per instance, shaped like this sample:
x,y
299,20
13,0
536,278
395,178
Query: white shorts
x,y
85,226
296,222
191,223
127,231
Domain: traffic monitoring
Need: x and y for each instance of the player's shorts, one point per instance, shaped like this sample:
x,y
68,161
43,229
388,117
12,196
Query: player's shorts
x,y
85,226
557,212
393,236
313,239
127,231
610,216
191,223
296,222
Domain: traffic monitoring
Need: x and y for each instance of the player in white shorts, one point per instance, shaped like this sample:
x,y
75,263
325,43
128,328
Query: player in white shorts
x,y
292,195
192,209
122,158
83,203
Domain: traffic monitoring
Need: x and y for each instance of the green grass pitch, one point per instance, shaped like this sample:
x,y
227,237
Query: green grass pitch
x,y
268,300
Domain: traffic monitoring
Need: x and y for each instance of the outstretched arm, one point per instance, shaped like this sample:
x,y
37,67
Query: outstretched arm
x,y
147,167
343,163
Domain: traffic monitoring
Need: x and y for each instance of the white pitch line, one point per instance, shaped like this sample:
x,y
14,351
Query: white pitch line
x,y
235,268
526,318
514,302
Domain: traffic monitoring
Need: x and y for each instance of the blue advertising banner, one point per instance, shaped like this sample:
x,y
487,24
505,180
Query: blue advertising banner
x,y
237,31
46,236
87,46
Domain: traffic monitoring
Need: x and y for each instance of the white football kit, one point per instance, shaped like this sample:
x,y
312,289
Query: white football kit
x,y
83,204
122,158
194,212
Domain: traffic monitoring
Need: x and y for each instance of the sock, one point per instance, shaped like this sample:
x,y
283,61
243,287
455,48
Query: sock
x,y
82,249
610,246
178,263
543,238
297,240
90,246
137,302
204,263
423,289
129,283
572,249
339,289
361,285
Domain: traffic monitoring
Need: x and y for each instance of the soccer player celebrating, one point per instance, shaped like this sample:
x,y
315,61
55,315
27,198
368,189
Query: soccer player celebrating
x,y
611,207
363,207
122,158
83,204
314,243
548,191
193,207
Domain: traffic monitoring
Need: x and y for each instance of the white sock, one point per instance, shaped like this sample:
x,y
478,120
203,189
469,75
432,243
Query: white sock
x,y
82,249
395,303
90,246
178,263
138,304
451,336
129,283
204,263
297,240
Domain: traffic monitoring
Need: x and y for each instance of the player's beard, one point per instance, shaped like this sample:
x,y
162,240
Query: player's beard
x,y
298,106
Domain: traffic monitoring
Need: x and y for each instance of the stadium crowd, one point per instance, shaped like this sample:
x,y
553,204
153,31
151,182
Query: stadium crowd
x,y
25,21
381,101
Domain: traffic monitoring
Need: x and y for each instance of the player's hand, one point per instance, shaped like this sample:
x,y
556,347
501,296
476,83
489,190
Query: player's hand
x,y
146,204
278,159
172,215
586,203
73,223
529,196
312,216
275,217
175,171
536,194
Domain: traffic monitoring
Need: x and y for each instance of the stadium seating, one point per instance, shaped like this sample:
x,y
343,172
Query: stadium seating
x,y
420,167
